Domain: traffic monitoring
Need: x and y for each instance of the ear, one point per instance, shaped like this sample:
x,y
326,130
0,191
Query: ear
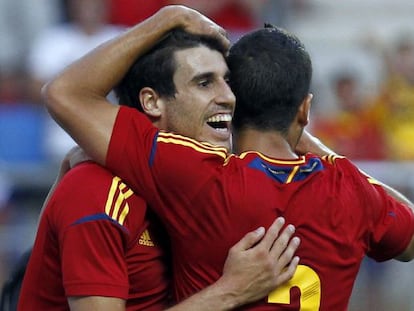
x,y
304,110
150,102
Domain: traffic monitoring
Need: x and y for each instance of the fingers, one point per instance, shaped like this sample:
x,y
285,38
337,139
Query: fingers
x,y
253,237
288,273
287,256
280,244
222,35
206,26
249,240
194,22
78,156
282,248
272,234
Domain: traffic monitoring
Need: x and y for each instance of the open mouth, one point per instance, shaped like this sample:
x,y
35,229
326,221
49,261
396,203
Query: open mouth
x,y
220,122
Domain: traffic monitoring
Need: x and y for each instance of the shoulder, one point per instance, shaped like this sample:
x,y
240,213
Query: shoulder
x,y
341,164
90,189
88,171
205,148
86,177
332,159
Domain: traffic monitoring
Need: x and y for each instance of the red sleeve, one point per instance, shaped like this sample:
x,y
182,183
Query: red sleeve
x,y
95,229
93,260
389,223
166,169
132,146
394,229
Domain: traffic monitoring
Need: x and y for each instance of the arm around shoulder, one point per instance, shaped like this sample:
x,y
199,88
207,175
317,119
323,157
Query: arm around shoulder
x,y
100,303
408,253
255,266
76,98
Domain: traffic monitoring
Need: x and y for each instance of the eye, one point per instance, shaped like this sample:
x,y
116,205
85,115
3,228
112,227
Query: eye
x,y
204,83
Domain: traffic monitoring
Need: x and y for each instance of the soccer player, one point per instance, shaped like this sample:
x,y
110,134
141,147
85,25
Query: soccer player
x,y
88,257
337,210
98,247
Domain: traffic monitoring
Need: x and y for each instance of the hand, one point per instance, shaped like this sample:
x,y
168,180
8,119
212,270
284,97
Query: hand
x,y
260,262
74,156
309,143
194,22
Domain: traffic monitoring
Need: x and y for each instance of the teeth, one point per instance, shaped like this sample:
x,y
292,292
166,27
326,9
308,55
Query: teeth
x,y
220,118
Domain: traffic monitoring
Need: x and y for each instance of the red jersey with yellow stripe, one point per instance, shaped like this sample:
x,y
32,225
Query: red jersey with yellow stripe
x,y
94,239
209,199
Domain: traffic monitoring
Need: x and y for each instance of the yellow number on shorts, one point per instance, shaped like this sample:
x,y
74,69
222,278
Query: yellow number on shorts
x,y
309,285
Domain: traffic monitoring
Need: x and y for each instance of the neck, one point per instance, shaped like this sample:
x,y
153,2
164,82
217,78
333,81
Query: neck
x,y
271,143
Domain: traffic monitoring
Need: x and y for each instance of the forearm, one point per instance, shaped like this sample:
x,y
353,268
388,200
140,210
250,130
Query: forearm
x,y
216,297
309,143
117,55
91,303
256,265
398,196
408,253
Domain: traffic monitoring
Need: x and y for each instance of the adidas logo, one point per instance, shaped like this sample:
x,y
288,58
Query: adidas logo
x,y
145,239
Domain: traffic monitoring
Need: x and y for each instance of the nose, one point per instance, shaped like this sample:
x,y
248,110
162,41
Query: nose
x,y
225,96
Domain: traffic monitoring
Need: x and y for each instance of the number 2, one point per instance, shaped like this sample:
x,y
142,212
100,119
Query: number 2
x,y
309,285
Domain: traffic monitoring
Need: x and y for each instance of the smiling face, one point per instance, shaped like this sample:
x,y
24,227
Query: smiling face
x,y
203,105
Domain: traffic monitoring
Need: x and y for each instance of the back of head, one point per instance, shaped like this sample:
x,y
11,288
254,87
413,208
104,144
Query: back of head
x,y
156,68
270,76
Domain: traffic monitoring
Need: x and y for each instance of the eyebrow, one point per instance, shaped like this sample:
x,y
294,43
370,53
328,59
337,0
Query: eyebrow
x,y
208,75
201,76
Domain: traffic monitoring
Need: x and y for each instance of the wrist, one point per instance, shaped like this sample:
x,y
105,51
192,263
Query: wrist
x,y
224,293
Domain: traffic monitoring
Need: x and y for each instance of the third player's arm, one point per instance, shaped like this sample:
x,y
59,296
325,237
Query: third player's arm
x,y
255,266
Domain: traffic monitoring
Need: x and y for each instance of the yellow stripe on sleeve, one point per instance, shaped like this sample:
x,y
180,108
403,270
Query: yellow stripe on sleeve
x,y
197,147
193,141
109,200
117,200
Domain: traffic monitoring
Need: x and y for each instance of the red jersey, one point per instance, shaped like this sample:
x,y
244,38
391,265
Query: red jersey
x,y
94,240
209,199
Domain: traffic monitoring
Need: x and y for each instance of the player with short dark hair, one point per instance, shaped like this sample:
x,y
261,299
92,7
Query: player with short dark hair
x,y
338,210
98,246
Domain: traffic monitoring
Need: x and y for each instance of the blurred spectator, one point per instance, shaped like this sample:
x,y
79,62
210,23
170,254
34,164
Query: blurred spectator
x,y
395,102
353,130
284,13
131,12
236,16
22,134
13,87
87,27
20,122
20,21
5,192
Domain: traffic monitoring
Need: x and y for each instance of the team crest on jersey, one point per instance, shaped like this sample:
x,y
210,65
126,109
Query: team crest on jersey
x,y
145,239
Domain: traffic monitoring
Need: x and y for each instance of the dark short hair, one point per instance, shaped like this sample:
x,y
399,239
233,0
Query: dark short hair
x,y
156,68
270,76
